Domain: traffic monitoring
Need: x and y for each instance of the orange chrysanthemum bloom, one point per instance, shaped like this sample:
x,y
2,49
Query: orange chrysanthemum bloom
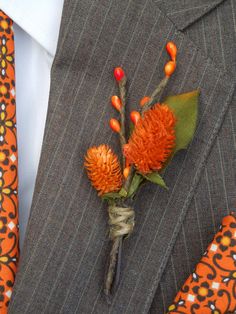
x,y
152,140
103,169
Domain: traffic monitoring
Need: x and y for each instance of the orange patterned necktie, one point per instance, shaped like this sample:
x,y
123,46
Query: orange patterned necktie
x,y
9,227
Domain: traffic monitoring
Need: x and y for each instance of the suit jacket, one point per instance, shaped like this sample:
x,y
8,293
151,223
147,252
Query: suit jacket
x,y
66,247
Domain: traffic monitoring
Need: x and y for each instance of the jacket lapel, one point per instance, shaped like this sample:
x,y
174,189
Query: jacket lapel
x,y
66,246
184,13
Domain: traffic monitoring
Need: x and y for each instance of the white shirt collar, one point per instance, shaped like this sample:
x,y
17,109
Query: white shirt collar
x,y
39,18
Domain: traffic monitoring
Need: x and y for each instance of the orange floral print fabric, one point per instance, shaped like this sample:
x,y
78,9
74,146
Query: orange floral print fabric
x,y
211,288
9,226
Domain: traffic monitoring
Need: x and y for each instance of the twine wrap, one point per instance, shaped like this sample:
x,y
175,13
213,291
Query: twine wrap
x,y
121,221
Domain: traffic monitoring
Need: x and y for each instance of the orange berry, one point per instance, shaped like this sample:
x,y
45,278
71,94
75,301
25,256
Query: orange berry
x,y
172,50
135,116
170,68
116,102
115,125
119,74
127,164
144,100
126,172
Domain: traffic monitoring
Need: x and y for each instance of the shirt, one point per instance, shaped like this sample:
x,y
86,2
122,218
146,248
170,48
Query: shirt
x,y
36,28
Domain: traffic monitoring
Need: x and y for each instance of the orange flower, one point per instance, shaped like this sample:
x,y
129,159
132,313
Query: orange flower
x,y
103,169
152,140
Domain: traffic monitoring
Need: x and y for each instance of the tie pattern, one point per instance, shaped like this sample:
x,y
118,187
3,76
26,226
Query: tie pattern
x,y
211,288
9,226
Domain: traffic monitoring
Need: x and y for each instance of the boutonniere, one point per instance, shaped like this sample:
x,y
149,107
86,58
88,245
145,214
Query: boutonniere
x,y
159,129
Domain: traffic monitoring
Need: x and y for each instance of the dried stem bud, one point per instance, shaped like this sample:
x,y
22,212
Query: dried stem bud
x,y
172,50
119,74
116,102
170,68
115,125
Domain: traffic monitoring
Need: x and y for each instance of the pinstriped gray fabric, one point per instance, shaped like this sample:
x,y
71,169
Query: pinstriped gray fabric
x,y
183,13
64,255
216,193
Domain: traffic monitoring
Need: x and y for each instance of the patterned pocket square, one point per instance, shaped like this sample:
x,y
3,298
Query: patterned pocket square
x,y
211,288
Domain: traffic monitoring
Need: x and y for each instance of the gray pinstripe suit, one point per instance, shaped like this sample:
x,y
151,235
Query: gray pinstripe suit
x,y
64,255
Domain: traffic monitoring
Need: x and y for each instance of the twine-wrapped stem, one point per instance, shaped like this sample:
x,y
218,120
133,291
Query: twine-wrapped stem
x,y
121,221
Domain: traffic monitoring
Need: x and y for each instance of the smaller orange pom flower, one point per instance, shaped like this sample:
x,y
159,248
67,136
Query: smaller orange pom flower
x,y
103,169
152,140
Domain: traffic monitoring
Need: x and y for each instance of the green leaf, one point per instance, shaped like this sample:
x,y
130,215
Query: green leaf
x,y
155,177
122,192
112,195
185,108
136,181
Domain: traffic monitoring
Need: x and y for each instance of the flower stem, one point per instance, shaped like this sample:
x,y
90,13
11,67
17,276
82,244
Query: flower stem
x,y
112,268
122,90
158,91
